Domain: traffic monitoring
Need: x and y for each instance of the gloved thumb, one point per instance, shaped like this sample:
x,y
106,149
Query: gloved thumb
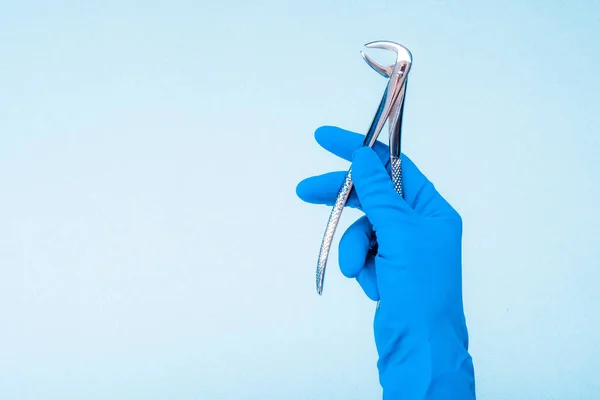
x,y
380,202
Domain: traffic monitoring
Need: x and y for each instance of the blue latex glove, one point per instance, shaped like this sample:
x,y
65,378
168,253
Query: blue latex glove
x,y
420,328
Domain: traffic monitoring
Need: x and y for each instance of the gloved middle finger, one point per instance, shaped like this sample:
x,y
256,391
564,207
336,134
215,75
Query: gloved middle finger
x,y
323,189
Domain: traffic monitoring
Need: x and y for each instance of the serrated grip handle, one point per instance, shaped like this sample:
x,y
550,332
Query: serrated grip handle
x,y
332,223
396,173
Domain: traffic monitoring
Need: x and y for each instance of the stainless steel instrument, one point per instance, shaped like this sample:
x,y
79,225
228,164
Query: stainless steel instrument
x,y
390,111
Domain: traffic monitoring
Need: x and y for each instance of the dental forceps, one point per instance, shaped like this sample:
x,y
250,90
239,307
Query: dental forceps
x,y
390,110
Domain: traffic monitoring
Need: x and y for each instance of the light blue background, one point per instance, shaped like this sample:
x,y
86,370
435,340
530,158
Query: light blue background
x,y
151,242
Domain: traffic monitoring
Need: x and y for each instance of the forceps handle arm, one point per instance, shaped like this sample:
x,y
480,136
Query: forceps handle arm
x,y
344,194
332,223
395,144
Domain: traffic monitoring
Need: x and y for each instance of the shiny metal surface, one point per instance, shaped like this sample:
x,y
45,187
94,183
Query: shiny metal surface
x,y
390,111
395,126
396,173
332,223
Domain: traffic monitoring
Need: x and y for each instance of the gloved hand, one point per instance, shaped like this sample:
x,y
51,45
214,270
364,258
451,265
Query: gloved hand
x,y
420,328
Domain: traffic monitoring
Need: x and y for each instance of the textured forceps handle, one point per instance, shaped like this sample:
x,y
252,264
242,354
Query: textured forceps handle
x,y
334,219
396,174
344,194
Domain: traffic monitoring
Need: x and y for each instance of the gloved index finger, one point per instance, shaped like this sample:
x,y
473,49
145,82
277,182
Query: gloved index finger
x,y
382,204
344,143
419,192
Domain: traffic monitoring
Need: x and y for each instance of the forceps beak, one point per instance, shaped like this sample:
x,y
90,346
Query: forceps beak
x,y
402,53
403,57
386,72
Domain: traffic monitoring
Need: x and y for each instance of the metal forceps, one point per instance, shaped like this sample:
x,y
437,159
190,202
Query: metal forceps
x,y
390,108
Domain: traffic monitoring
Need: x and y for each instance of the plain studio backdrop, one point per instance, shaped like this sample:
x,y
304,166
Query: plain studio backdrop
x,y
151,242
